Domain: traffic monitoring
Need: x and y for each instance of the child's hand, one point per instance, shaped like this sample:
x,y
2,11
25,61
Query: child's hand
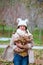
x,y
19,45
18,50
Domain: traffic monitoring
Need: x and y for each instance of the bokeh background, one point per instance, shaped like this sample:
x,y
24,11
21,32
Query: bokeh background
x,y
10,10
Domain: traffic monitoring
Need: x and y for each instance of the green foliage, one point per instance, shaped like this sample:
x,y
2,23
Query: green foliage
x,y
1,50
8,30
5,42
36,34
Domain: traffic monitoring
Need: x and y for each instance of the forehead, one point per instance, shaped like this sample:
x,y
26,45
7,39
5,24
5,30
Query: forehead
x,y
22,26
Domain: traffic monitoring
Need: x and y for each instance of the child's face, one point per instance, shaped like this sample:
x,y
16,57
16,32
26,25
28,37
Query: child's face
x,y
22,27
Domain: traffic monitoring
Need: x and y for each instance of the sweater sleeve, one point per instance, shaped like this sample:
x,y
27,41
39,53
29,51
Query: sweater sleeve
x,y
12,42
30,45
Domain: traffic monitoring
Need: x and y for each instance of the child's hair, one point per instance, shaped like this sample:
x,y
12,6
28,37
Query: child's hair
x,y
25,27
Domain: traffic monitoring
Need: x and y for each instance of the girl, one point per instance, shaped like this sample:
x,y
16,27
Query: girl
x,y
21,48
